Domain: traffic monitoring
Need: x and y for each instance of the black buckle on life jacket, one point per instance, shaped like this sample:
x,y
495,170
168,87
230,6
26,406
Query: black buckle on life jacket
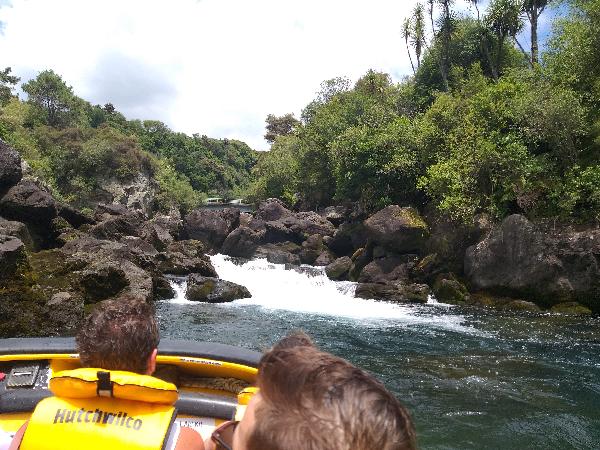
x,y
104,387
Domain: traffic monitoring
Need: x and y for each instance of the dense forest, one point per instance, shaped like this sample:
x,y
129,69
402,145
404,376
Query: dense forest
x,y
74,146
482,126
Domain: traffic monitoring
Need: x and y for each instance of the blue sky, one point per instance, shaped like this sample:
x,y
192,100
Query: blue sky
x,y
214,67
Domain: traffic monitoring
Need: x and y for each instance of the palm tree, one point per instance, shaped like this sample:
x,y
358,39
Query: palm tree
x,y
534,9
406,34
418,31
504,20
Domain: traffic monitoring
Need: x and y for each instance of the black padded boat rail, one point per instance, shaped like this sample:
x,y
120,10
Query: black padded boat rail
x,y
21,400
205,405
189,403
172,347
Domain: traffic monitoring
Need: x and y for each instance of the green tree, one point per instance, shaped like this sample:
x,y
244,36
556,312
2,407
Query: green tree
x,y
419,40
503,18
534,9
407,35
7,83
280,126
51,96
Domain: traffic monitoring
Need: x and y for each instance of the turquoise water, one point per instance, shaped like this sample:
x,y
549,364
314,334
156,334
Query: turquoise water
x,y
471,378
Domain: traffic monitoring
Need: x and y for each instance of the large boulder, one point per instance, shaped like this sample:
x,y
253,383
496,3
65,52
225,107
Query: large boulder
x,y
272,209
12,256
386,269
402,230
18,230
312,248
211,226
185,257
397,291
10,167
119,226
447,289
544,265
348,238
242,242
279,253
339,269
27,202
214,290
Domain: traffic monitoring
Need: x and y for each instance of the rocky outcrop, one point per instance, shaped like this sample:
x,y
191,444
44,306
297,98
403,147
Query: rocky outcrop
x,y
12,256
16,229
10,167
339,269
27,202
398,292
447,289
214,290
402,230
136,194
548,267
185,257
242,242
279,253
391,268
211,226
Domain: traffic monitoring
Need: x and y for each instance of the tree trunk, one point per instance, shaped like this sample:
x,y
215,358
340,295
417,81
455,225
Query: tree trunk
x,y
410,57
534,35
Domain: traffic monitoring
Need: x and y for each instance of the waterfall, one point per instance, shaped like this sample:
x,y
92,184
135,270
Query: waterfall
x,y
307,290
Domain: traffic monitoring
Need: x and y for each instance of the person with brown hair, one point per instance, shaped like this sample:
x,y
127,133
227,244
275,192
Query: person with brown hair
x,y
117,340
312,400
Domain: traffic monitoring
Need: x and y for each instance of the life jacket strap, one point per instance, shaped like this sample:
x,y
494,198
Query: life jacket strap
x,y
104,386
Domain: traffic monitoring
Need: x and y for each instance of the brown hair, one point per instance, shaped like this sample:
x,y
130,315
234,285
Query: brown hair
x,y
118,335
314,400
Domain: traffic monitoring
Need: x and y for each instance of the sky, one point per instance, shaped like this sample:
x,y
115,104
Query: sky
x,y
213,67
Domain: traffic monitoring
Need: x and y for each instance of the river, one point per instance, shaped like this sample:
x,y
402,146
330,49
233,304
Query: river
x,y
471,378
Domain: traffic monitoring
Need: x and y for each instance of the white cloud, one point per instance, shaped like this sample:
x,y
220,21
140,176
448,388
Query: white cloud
x,y
216,67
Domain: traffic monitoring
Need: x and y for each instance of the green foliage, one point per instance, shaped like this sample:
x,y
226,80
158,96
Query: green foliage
x,y
175,190
53,101
7,83
280,126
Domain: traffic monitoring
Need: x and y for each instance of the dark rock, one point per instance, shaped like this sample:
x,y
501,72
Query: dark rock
x,y
336,214
540,264
402,230
102,282
157,234
27,202
12,256
279,253
18,230
360,259
571,308
245,219
185,257
272,209
397,291
324,259
162,288
65,312
10,167
427,269
348,238
338,269
211,226
387,269
447,289
105,211
312,248
75,217
214,290
242,242
116,227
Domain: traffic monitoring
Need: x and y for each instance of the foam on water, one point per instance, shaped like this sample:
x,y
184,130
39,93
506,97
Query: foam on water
x,y
308,290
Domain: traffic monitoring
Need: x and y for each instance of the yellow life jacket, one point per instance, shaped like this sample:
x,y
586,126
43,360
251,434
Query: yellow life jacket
x,y
99,409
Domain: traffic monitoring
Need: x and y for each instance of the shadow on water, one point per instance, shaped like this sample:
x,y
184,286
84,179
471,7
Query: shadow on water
x,y
471,378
